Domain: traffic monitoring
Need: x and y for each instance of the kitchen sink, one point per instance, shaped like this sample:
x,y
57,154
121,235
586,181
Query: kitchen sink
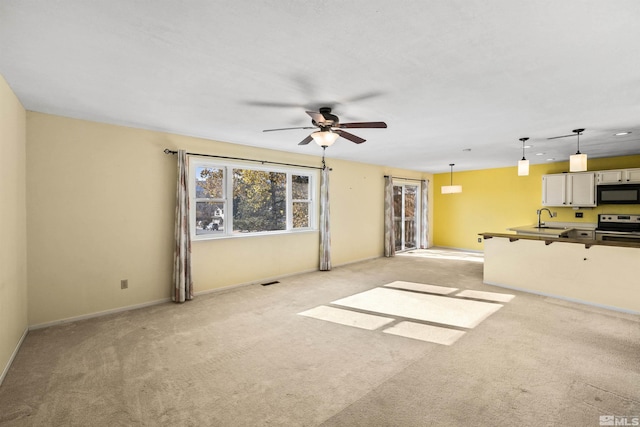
x,y
543,230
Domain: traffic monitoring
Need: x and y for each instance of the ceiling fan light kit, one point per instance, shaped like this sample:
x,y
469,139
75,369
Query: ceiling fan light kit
x,y
451,189
325,138
523,165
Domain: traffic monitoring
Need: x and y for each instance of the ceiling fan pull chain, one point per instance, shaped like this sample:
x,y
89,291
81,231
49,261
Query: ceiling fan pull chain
x,y
324,166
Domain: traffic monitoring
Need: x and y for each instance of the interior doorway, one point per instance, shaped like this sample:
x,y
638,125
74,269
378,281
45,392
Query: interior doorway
x,y
406,200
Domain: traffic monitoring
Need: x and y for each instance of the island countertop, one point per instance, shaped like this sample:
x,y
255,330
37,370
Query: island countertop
x,y
548,239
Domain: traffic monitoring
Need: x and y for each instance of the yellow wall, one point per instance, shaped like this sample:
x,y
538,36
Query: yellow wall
x,y
13,232
493,200
100,207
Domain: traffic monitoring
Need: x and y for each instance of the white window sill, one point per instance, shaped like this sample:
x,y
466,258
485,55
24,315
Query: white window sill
x,y
205,237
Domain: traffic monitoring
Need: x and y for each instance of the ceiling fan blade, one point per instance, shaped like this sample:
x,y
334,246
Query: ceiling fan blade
x,y
305,141
273,130
316,117
363,125
363,96
273,104
351,137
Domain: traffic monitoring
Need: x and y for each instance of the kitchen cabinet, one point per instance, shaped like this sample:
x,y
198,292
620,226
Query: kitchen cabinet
x,y
569,189
577,233
618,176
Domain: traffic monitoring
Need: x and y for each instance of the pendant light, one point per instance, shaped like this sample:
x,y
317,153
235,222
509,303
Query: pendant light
x,y
449,189
523,165
578,161
325,138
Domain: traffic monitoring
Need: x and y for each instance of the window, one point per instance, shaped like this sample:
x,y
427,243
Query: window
x,y
236,199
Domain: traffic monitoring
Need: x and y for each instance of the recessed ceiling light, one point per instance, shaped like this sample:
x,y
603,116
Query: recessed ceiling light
x,y
622,133
550,160
540,154
528,146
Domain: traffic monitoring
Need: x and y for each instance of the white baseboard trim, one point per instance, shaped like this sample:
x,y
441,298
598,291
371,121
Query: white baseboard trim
x,y
575,300
274,278
253,282
474,251
161,301
358,260
13,355
98,314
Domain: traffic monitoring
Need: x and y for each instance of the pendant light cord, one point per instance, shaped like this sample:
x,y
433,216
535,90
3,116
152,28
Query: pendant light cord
x,y
523,141
451,165
578,132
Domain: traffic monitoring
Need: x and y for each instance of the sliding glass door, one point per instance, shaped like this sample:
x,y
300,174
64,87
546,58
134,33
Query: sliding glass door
x,y
405,211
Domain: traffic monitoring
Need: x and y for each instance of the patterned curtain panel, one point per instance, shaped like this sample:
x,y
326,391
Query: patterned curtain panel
x,y
182,283
389,234
424,214
325,231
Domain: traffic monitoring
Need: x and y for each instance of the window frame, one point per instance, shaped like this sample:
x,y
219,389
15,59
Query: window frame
x,y
228,177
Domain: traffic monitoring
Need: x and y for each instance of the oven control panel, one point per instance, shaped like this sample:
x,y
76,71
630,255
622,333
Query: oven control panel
x,y
619,219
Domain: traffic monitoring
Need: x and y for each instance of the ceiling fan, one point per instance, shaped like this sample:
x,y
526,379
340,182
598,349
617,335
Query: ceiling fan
x,y
330,128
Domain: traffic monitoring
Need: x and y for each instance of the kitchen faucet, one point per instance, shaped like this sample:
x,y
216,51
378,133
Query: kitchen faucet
x,y
539,211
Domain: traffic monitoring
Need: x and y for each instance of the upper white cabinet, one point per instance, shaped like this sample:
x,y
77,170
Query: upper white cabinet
x,y
618,176
554,190
581,189
569,189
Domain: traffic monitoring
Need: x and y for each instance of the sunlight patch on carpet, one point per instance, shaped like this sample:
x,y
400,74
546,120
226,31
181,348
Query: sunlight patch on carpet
x,y
429,308
429,333
421,287
347,317
417,311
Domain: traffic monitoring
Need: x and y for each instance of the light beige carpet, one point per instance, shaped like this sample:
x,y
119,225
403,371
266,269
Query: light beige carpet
x,y
245,358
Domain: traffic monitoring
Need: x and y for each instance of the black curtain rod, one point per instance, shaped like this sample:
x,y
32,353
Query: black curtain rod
x,y
167,151
407,179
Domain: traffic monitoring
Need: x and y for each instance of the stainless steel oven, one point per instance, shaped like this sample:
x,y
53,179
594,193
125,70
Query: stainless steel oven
x,y
618,228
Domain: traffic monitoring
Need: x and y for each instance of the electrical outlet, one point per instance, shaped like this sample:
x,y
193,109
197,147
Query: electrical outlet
x,y
554,214
124,284
479,239
579,214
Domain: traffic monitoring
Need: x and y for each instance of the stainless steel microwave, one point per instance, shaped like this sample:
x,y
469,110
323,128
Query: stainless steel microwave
x,y
618,194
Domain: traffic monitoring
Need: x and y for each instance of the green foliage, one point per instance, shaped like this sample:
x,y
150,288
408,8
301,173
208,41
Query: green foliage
x,y
259,200
211,184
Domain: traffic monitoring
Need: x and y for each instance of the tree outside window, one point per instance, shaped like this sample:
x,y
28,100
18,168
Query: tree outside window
x,y
261,200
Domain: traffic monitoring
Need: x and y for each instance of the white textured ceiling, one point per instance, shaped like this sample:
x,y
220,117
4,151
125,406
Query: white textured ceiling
x,y
445,75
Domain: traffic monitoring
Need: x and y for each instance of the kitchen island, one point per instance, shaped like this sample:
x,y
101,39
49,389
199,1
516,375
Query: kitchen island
x,y
600,273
